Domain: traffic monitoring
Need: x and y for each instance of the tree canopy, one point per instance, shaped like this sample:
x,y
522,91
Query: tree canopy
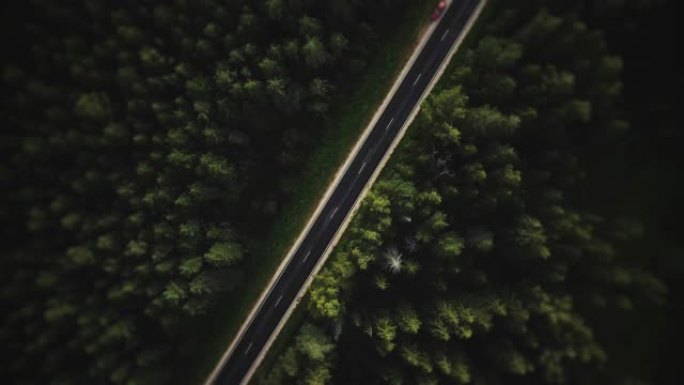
x,y
136,141
507,266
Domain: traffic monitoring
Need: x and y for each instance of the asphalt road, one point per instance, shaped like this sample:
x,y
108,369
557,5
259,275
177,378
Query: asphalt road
x,y
321,233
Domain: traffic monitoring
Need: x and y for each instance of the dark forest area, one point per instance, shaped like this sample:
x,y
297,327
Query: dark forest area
x,y
146,148
526,230
643,175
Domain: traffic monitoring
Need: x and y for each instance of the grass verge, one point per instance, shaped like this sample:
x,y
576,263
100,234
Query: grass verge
x,y
356,108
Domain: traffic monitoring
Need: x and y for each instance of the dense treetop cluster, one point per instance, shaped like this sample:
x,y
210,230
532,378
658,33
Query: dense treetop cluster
x,y
137,135
469,261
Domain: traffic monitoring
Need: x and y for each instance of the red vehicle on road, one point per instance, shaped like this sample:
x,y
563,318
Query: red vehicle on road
x,y
437,13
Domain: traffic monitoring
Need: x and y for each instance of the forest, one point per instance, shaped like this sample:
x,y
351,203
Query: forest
x,y
524,232
145,146
483,254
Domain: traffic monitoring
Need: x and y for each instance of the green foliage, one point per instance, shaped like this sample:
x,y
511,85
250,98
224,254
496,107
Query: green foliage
x,y
134,152
306,360
313,343
314,52
478,196
449,245
223,254
408,319
93,106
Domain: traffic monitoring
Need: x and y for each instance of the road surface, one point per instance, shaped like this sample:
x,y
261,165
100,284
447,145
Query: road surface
x,y
341,201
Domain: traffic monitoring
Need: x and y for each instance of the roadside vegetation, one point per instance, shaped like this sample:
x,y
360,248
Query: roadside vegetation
x,y
475,258
148,152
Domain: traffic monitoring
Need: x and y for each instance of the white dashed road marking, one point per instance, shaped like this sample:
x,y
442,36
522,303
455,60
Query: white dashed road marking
x,y
361,168
389,124
444,34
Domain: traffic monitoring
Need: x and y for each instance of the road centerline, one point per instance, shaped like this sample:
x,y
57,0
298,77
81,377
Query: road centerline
x,y
444,34
389,124
361,168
